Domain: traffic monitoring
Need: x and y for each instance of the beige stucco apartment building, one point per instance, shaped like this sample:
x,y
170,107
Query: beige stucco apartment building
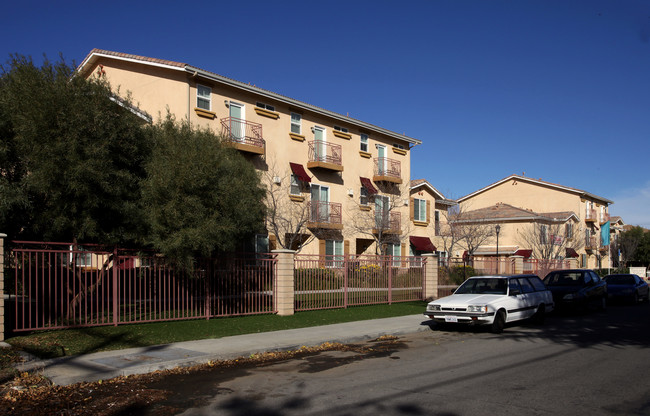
x,y
341,172
428,218
516,202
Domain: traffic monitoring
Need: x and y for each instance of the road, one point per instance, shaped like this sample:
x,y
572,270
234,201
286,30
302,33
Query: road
x,y
594,363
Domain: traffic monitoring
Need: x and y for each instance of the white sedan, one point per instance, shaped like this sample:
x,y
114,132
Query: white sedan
x,y
494,300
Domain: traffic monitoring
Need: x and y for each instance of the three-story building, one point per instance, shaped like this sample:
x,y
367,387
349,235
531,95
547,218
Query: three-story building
x,y
345,182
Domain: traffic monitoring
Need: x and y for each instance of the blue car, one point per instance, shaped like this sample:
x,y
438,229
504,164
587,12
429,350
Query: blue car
x,y
629,287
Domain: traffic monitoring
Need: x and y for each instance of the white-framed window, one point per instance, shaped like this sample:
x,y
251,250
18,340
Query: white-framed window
x,y
334,253
296,123
265,106
382,212
295,185
394,250
363,144
203,97
363,196
341,129
419,210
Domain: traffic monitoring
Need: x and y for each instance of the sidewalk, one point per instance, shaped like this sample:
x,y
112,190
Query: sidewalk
x,y
109,364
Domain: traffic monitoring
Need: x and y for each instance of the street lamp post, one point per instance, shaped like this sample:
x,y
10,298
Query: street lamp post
x,y
497,229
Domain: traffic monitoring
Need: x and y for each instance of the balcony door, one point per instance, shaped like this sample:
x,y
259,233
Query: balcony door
x,y
237,122
382,209
320,146
382,163
320,198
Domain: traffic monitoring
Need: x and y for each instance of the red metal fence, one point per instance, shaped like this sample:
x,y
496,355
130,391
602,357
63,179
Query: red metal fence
x,y
57,285
543,267
339,281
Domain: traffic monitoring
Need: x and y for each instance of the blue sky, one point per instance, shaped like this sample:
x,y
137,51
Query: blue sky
x,y
557,89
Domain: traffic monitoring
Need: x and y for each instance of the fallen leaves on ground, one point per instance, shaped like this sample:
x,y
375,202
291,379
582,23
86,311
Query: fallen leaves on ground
x,y
35,395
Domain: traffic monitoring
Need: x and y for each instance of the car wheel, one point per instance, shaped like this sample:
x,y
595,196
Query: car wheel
x,y
499,322
540,315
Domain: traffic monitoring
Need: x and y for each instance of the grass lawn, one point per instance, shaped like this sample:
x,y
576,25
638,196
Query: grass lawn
x,y
58,343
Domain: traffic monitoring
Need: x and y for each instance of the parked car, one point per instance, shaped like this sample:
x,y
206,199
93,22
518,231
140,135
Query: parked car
x,y
628,287
493,300
577,288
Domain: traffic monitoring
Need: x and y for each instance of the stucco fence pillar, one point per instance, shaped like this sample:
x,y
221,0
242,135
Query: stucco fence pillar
x,y
518,262
285,289
431,277
2,286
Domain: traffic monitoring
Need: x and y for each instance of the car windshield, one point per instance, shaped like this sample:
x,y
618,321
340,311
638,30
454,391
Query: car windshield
x,y
490,286
620,280
564,279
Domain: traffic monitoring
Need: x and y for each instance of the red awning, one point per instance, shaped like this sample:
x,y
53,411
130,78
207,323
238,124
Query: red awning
x,y
571,253
368,185
299,171
523,253
422,244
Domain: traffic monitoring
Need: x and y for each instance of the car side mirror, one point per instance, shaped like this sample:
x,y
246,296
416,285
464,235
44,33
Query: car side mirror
x,y
515,292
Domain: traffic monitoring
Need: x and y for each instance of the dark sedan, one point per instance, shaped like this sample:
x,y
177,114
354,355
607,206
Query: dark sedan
x,y
628,287
577,288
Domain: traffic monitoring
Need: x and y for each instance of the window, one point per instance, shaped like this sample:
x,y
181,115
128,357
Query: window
x,y
568,232
419,210
295,185
364,143
203,97
526,286
296,121
542,234
265,106
437,223
341,129
394,250
382,210
333,253
399,146
363,196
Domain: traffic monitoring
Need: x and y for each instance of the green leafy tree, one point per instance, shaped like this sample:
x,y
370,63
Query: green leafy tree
x,y
71,156
201,197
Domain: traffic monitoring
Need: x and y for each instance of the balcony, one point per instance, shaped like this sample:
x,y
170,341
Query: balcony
x,y
325,155
591,243
387,222
325,215
243,135
590,215
604,218
387,170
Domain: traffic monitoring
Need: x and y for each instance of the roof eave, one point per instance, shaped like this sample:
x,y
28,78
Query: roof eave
x,y
299,104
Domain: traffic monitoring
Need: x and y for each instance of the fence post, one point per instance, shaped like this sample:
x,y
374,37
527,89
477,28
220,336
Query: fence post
x,y
285,292
115,275
573,263
2,286
519,264
431,276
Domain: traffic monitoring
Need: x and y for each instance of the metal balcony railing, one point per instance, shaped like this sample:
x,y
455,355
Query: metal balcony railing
x,y
325,214
604,218
591,243
387,221
387,168
240,131
321,151
590,215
